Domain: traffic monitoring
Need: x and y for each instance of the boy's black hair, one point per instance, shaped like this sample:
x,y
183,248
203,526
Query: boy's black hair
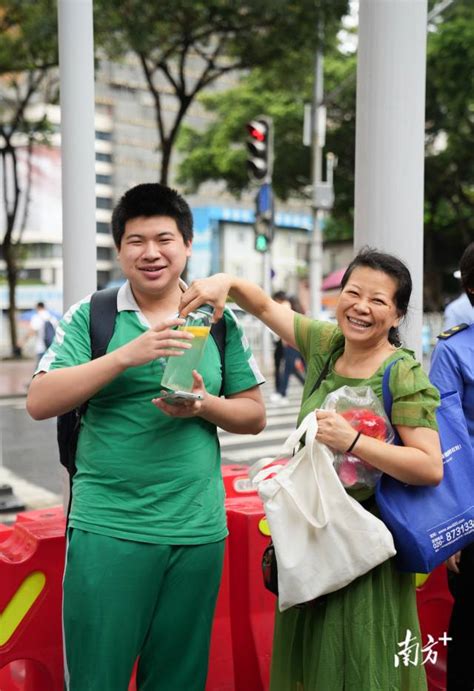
x,y
152,199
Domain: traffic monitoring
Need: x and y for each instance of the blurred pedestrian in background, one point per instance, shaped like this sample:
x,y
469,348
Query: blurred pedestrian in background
x,y
458,311
293,362
42,327
452,369
278,350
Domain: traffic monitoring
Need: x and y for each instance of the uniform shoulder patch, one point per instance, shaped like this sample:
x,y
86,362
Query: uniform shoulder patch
x,y
452,331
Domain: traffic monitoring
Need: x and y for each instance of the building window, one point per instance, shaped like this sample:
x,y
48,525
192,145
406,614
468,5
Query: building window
x,y
104,252
43,250
99,156
104,203
30,275
104,136
103,179
102,227
103,277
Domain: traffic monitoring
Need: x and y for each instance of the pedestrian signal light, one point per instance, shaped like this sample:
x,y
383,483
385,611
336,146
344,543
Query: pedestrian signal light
x,y
259,153
261,243
263,234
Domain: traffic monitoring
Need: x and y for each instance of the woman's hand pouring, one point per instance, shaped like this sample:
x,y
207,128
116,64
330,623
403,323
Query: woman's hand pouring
x,y
210,291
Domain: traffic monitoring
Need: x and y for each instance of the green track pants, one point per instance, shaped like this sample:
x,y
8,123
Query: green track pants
x,y
124,600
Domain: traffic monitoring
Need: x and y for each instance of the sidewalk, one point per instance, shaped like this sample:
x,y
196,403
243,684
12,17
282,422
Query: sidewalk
x,y
15,376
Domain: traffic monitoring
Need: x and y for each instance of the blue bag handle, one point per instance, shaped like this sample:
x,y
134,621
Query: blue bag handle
x,y
388,398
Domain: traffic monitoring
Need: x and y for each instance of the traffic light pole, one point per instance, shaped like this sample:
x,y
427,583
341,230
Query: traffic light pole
x,y
266,335
260,168
76,71
264,215
316,246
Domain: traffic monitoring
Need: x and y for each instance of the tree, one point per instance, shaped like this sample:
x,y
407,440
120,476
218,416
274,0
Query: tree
x,y
219,152
449,166
28,51
184,46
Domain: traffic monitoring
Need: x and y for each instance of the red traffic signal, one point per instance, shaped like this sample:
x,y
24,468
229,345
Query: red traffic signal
x,y
259,149
258,130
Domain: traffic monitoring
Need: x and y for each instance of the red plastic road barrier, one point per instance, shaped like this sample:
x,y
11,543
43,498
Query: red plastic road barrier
x,y
31,569
252,606
221,661
237,483
55,513
434,610
5,531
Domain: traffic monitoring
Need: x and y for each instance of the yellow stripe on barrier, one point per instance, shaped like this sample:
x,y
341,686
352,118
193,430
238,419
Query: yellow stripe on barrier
x,y
421,579
264,527
20,604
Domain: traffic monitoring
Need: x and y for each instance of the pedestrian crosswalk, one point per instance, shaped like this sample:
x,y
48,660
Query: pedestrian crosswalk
x,y
281,420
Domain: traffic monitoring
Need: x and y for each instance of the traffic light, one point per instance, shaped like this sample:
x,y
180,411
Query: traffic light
x,y
261,243
259,148
263,235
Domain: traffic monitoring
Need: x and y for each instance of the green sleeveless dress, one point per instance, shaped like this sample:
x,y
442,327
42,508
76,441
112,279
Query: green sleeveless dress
x,y
350,640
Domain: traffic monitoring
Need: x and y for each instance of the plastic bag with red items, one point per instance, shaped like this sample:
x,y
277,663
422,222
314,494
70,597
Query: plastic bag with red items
x,y
361,407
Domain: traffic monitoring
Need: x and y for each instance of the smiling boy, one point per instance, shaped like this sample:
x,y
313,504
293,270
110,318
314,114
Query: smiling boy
x,y
147,524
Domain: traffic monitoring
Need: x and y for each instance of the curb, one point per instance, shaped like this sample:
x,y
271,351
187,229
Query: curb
x,y
12,396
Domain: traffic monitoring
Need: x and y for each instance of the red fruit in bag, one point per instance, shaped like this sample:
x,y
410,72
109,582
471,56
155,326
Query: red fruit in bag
x,y
367,422
347,472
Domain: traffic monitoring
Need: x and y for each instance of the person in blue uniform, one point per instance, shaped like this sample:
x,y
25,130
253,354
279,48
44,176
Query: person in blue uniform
x,y
452,369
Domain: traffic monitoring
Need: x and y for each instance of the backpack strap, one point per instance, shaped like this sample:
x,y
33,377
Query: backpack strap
x,y
103,312
218,332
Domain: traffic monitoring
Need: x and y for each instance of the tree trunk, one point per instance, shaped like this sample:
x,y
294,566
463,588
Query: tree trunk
x,y
166,147
432,282
12,276
9,246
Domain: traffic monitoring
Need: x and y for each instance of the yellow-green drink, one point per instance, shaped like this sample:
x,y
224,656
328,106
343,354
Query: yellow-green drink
x,y
178,371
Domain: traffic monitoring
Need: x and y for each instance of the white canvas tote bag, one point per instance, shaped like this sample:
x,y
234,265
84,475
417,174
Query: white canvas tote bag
x,y
323,538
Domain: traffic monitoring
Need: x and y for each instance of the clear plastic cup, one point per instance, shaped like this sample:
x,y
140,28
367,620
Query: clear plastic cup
x,y
178,373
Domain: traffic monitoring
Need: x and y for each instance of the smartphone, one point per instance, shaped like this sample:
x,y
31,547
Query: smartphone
x,y
170,396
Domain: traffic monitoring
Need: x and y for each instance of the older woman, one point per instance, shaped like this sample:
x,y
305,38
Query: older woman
x,y
349,640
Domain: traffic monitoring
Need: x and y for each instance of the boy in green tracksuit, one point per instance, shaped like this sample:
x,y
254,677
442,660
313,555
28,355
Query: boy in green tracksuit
x,y
147,524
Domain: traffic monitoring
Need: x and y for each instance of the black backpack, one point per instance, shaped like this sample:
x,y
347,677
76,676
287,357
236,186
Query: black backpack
x,y
103,311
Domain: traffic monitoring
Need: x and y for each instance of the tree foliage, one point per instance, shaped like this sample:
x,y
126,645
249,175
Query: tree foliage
x,y
28,51
449,164
184,46
219,152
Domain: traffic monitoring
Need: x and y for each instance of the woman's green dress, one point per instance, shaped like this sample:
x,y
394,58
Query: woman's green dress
x,y
350,641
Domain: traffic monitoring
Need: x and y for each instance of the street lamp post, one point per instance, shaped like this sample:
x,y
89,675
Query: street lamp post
x,y
76,72
390,134
316,248
322,194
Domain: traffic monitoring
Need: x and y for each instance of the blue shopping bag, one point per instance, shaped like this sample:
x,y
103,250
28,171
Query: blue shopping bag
x,y
429,524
